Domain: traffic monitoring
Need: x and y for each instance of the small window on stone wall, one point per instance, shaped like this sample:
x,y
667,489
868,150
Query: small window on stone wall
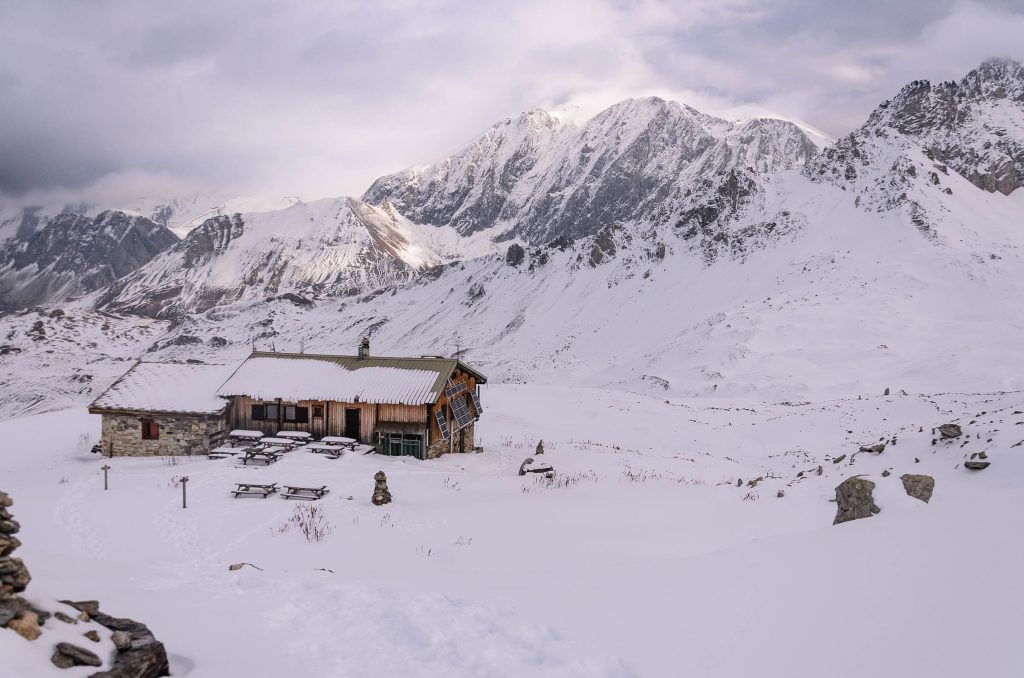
x,y
150,429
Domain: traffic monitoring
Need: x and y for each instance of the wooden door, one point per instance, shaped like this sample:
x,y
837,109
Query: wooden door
x,y
317,419
352,423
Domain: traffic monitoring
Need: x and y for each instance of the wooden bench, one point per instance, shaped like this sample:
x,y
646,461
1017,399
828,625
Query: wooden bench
x,y
331,451
309,493
254,490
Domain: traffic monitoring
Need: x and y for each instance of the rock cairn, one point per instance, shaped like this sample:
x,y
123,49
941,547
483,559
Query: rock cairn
x,y
14,576
381,494
139,653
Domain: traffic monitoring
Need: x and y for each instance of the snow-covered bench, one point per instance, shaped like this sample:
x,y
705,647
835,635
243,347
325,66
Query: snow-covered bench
x,y
254,490
309,493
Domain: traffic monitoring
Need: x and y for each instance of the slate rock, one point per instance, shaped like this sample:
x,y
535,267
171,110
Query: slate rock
x,y
66,655
9,609
977,465
92,635
66,618
873,449
122,641
950,431
918,486
854,500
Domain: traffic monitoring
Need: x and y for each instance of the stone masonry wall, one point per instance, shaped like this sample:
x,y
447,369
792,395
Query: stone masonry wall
x,y
440,446
122,435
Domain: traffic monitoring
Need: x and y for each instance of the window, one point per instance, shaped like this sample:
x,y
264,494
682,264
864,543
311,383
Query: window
x,y
265,412
150,429
299,415
318,411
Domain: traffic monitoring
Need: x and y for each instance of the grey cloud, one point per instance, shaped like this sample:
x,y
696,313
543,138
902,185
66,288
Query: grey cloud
x,y
319,98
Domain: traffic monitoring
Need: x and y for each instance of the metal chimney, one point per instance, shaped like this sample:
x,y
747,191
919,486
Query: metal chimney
x,y
364,348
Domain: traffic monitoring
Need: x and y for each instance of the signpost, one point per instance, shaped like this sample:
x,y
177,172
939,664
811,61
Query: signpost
x,y
105,468
184,498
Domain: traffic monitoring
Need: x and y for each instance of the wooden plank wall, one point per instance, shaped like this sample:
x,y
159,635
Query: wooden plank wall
x,y
457,376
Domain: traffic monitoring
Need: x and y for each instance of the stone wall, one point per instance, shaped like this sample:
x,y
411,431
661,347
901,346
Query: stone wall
x,y
441,445
122,435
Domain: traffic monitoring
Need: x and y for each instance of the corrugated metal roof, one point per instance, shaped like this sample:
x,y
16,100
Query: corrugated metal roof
x,y
294,376
167,387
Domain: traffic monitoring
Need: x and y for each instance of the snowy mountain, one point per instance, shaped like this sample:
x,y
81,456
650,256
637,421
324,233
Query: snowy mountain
x,y
642,160
307,251
50,259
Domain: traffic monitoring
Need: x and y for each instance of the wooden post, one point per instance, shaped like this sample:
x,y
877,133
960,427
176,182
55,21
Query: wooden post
x,y
105,469
184,497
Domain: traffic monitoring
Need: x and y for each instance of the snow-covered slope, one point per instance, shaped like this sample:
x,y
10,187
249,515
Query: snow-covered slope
x,y
326,248
642,160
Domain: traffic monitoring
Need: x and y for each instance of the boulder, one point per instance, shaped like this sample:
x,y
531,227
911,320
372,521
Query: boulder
x,y
873,449
514,255
66,655
140,655
9,609
854,500
66,618
918,486
950,431
977,465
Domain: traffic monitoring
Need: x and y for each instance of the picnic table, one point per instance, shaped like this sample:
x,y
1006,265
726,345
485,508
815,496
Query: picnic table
x,y
309,493
222,452
254,490
242,437
286,443
256,455
332,451
340,441
300,436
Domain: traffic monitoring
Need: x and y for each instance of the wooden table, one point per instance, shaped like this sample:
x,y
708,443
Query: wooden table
x,y
255,455
254,490
309,493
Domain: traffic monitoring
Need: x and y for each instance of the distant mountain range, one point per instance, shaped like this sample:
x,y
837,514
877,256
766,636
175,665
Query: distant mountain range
x,y
653,246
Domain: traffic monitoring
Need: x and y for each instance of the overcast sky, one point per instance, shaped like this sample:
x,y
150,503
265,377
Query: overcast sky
x,y
112,99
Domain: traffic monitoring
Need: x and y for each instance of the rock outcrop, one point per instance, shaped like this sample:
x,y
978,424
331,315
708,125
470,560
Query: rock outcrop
x,y
854,500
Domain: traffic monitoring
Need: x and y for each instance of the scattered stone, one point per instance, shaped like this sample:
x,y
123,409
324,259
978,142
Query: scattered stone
x,y
381,494
83,616
145,657
780,494
739,482
9,609
916,460
66,618
854,500
885,473
983,455
950,431
977,465
92,635
873,449
89,606
239,566
26,626
839,459
122,641
819,470
918,486
66,655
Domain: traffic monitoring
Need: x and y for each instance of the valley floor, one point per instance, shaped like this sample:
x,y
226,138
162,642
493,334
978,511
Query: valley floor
x,y
642,558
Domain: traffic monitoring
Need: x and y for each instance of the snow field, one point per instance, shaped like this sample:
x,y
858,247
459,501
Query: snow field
x,y
641,558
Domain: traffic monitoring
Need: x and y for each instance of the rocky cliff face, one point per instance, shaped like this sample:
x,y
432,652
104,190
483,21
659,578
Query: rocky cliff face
x,y
910,146
52,259
308,251
642,160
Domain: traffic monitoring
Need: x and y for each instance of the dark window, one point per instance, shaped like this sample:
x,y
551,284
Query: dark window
x,y
150,430
318,411
257,413
299,415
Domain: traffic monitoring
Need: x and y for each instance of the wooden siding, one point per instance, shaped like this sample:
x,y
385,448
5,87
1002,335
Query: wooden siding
x,y
457,376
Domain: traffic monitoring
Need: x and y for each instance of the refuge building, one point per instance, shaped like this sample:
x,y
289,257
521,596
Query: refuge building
x,y
163,409
421,407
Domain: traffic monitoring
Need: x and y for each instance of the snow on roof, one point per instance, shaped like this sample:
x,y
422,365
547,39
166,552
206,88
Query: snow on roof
x,y
294,377
167,387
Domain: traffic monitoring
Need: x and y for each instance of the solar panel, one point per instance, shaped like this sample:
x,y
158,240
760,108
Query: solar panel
x,y
461,411
441,423
455,389
476,402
